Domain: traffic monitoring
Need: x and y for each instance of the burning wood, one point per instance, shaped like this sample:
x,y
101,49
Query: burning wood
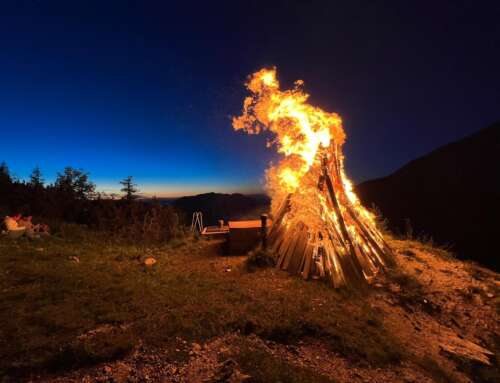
x,y
320,228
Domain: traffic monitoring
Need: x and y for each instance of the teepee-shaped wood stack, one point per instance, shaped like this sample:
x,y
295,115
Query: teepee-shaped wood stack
x,y
320,229
348,251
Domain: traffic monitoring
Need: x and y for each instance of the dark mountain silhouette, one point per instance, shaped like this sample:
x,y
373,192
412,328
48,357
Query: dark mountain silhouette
x,y
451,194
215,206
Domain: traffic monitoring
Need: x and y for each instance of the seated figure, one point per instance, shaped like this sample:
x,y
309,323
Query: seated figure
x,y
10,223
14,229
43,229
31,229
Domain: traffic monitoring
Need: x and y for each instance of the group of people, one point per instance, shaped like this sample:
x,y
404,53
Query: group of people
x,y
17,226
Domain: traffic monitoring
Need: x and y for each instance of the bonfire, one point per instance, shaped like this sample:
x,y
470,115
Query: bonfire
x,y
320,229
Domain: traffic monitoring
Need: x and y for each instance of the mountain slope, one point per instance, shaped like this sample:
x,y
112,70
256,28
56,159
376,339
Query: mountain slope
x,y
451,194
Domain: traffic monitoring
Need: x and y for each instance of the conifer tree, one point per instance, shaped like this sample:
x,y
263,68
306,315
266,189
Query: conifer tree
x,y
5,177
36,178
75,182
129,188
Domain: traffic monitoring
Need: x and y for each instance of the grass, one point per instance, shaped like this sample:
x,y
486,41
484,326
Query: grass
x,y
50,305
412,297
434,370
259,258
264,367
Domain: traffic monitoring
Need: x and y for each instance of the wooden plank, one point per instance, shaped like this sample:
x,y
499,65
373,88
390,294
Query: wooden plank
x,y
372,242
367,267
308,260
277,240
291,250
343,229
284,248
331,262
285,206
352,271
294,266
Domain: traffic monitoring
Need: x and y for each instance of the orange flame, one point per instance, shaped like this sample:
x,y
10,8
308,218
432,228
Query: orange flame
x,y
301,130
345,241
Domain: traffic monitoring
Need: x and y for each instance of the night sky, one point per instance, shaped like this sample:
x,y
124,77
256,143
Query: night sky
x,y
148,88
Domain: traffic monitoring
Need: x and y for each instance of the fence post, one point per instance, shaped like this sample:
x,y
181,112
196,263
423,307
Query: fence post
x,y
263,230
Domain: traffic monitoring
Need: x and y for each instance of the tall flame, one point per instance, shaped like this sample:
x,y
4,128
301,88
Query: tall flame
x,y
340,230
301,130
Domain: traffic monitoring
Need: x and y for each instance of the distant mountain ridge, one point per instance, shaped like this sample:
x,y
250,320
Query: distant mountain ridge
x,y
451,194
215,206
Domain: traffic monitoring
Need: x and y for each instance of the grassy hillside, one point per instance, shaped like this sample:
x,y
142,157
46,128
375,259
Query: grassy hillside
x,y
82,307
451,194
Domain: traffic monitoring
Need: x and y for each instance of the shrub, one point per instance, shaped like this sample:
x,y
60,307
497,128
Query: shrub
x,y
259,258
136,220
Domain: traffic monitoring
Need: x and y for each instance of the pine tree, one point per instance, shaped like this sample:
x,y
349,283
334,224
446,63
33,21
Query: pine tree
x,y
5,177
75,182
6,184
129,188
36,178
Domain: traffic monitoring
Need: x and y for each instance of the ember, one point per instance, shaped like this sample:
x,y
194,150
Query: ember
x,y
320,228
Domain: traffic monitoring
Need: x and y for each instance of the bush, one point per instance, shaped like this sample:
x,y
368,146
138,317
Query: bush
x,y
260,258
72,199
265,367
136,220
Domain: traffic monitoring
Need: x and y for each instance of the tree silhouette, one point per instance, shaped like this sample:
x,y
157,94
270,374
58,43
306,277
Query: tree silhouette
x,y
5,177
129,188
75,182
6,185
36,178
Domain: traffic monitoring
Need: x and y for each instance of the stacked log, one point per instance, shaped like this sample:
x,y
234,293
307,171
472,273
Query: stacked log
x,y
332,253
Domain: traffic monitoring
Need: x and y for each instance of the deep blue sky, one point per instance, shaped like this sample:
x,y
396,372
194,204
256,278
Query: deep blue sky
x,y
147,88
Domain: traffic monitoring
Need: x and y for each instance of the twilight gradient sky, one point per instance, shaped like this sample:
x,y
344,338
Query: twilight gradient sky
x,y
147,88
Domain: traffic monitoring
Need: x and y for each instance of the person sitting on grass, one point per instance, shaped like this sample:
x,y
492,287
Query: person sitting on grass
x,y
43,229
13,227
31,229
18,226
12,223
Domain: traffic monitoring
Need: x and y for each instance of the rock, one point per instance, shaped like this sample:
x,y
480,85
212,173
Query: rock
x,y
107,369
196,347
74,259
476,299
239,377
149,261
223,350
122,372
489,295
394,288
226,370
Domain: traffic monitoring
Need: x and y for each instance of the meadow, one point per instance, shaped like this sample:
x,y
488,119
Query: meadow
x,y
81,300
